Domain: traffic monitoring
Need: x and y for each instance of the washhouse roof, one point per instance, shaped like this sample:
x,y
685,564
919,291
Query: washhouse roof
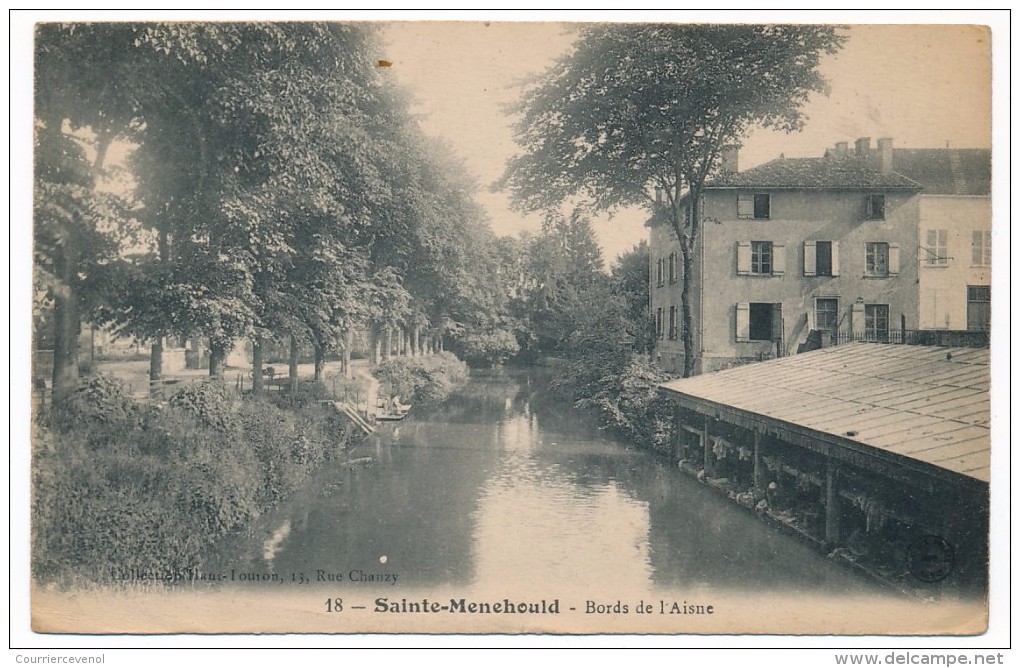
x,y
903,403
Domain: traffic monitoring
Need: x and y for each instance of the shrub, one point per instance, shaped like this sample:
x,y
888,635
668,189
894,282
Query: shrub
x,y
177,478
428,379
488,348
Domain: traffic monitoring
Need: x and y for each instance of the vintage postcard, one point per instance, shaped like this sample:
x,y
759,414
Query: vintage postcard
x,y
441,327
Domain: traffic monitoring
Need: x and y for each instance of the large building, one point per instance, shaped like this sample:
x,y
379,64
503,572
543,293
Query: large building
x,y
799,253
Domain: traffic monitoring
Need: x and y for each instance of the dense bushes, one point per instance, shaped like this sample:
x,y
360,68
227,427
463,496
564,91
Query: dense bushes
x,y
428,379
488,348
608,377
118,485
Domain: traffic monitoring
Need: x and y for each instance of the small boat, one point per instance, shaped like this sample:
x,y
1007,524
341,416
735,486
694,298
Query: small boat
x,y
393,411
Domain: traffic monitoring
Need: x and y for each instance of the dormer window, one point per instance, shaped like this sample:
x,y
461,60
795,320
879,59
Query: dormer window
x,y
876,207
757,206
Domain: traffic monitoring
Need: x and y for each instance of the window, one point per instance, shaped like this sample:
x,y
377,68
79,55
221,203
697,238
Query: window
x,y
757,206
936,248
826,314
759,322
876,322
979,307
672,322
981,248
672,267
821,258
876,207
876,262
658,323
760,258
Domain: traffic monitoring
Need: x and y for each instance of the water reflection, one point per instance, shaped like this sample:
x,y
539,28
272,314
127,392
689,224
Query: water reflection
x,y
505,485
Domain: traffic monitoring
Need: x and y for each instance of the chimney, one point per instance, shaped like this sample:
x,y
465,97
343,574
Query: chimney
x,y
885,155
841,149
862,147
728,159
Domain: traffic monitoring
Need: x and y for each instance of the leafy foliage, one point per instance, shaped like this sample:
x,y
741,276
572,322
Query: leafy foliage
x,y
172,480
643,106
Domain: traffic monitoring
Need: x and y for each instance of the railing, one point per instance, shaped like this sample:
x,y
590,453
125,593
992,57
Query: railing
x,y
916,337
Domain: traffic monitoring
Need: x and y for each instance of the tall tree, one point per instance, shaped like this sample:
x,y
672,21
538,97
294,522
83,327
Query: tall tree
x,y
635,108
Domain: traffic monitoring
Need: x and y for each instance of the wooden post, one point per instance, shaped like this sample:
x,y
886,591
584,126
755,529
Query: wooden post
x,y
832,503
706,448
759,465
903,328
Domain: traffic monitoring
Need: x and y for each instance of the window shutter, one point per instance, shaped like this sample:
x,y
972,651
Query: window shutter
x,y
778,259
809,258
745,206
743,321
835,258
894,259
743,258
777,321
812,318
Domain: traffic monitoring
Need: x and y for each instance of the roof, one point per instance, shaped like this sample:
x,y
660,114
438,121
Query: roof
x,y
823,173
921,403
947,171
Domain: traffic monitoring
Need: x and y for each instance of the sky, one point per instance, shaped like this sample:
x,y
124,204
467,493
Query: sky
x,y
921,85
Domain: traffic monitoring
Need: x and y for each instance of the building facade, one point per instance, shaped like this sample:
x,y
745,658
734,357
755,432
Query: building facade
x,y
802,253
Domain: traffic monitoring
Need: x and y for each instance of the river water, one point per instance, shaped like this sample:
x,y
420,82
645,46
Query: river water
x,y
504,486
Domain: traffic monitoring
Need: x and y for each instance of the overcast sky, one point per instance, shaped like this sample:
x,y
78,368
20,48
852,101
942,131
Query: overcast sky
x,y
922,85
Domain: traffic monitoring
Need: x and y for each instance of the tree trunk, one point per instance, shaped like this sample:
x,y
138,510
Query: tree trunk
x,y
217,358
65,345
320,361
256,366
414,342
156,361
292,366
347,363
686,317
408,351
387,344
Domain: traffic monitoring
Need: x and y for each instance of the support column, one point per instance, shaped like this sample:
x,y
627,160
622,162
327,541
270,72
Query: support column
x,y
832,504
705,447
759,466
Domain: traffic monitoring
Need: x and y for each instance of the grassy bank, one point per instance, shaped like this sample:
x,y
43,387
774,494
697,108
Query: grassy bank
x,y
120,485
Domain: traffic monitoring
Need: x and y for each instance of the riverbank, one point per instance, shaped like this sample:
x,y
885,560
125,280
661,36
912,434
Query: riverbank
x,y
121,485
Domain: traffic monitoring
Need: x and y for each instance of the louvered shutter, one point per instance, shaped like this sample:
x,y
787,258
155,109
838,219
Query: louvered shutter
x,y
778,259
894,259
743,322
810,259
777,321
835,258
743,258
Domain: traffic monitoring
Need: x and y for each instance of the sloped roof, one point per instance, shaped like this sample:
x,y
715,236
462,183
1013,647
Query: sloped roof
x,y
825,173
946,171
923,403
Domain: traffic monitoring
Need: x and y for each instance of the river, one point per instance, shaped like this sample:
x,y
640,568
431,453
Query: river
x,y
504,486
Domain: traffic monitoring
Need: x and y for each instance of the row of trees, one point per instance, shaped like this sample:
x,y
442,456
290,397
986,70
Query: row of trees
x,y
277,189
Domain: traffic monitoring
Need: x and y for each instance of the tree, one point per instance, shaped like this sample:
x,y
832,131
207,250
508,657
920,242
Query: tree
x,y
641,107
630,275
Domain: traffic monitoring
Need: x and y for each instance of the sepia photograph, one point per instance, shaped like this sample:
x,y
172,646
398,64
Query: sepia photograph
x,y
677,327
